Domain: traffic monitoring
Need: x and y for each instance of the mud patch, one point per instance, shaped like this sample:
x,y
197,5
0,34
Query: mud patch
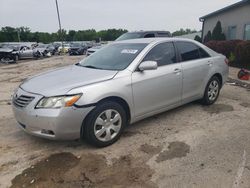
x,y
246,105
175,150
217,108
89,170
149,149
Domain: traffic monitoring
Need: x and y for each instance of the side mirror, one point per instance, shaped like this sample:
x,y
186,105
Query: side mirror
x,y
148,65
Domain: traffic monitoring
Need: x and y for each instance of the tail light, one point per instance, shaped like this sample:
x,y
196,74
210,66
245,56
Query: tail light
x,y
226,61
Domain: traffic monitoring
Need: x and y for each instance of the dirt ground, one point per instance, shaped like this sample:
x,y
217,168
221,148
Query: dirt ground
x,y
191,146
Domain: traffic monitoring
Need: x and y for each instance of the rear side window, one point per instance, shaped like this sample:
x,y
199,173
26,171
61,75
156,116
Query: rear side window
x,y
203,53
149,35
188,51
163,54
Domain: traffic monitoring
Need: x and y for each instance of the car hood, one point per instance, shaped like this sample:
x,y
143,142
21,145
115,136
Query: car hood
x,y
61,81
6,50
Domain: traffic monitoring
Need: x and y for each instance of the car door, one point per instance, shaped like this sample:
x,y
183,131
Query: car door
x,y
25,52
154,90
195,65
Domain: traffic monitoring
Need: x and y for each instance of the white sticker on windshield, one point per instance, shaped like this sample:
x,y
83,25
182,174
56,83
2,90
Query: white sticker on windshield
x,y
129,51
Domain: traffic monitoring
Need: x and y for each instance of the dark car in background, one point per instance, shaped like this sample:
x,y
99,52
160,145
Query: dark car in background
x,y
143,34
78,48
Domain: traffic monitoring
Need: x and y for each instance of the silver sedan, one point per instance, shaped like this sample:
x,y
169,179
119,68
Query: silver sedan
x,y
120,84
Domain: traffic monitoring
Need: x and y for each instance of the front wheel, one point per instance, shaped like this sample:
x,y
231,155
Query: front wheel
x,y
104,125
212,91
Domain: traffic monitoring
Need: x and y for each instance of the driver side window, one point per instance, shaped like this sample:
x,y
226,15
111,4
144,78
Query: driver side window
x,y
163,54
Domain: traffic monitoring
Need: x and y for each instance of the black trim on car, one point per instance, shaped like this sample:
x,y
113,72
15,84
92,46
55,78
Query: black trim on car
x,y
85,106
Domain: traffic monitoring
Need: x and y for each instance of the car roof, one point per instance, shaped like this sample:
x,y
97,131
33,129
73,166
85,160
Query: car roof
x,y
149,32
153,40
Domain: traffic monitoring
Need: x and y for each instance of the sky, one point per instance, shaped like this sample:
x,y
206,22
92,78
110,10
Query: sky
x,y
133,15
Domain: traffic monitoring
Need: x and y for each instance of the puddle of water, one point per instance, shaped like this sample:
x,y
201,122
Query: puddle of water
x,y
175,150
89,170
217,108
149,149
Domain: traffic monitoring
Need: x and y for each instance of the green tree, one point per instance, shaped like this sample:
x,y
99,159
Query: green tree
x,y
183,32
217,33
198,38
208,37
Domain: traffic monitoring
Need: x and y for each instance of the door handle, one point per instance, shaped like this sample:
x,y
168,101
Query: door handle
x,y
209,63
176,71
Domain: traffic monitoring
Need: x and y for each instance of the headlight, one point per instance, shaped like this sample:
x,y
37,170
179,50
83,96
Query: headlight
x,y
58,102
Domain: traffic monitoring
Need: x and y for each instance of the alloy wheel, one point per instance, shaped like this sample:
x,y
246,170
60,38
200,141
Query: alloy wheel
x,y
107,125
213,90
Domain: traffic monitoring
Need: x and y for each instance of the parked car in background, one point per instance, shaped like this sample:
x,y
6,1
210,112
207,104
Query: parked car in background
x,y
13,52
143,34
78,48
135,35
94,49
64,48
97,97
45,49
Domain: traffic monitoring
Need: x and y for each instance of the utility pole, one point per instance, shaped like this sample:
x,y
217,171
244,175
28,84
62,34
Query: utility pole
x,y
18,35
59,21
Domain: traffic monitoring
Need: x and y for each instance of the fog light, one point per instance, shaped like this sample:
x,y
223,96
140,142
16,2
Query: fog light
x,y
47,132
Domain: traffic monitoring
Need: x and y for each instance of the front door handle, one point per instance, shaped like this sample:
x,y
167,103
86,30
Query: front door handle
x,y
176,71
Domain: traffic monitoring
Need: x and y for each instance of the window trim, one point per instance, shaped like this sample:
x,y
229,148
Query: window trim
x,y
244,30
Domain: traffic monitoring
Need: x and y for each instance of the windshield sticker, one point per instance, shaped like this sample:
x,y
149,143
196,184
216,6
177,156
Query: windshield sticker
x,y
129,51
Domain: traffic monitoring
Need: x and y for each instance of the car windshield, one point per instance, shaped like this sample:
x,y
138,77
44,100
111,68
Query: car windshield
x,y
113,57
128,36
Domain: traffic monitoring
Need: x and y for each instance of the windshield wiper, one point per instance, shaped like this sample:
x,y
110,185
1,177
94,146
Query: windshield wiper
x,y
91,66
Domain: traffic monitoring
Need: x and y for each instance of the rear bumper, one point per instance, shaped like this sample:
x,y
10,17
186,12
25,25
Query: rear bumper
x,y
55,124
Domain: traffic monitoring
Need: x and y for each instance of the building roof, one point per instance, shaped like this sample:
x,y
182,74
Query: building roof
x,y
230,7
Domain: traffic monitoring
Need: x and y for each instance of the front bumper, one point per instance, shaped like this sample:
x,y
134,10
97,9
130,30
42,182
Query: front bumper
x,y
55,124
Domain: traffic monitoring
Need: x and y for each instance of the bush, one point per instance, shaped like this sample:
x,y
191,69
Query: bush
x,y
237,51
242,53
224,47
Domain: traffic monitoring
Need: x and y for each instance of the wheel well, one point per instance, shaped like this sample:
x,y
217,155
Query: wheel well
x,y
219,77
120,101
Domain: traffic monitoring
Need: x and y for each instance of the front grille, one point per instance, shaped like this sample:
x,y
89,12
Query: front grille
x,y
22,101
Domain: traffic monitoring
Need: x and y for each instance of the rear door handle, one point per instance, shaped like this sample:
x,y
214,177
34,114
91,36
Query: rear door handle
x,y
209,63
176,71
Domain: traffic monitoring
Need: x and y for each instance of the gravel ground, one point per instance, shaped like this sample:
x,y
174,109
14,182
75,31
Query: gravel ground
x,y
191,146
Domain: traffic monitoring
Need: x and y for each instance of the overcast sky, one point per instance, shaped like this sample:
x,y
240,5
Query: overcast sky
x,y
40,15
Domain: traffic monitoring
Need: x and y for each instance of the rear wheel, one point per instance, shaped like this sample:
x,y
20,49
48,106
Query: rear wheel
x,y
212,91
104,125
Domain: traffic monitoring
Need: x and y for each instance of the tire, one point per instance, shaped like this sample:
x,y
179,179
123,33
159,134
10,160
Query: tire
x,y
212,91
16,58
99,130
